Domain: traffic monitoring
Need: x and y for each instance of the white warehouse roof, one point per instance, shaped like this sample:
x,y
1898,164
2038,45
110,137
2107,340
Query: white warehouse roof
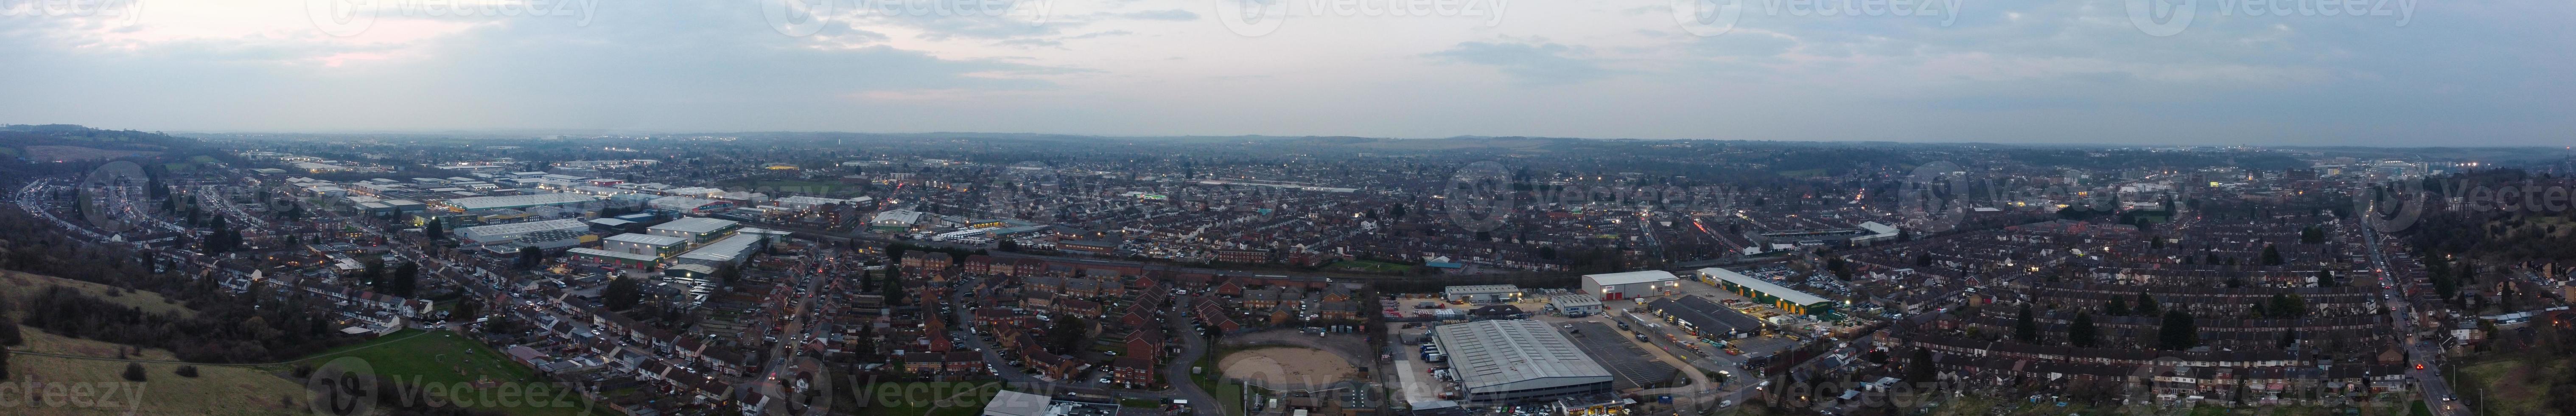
x,y
512,229
1764,286
1623,278
1514,355
647,239
695,225
519,201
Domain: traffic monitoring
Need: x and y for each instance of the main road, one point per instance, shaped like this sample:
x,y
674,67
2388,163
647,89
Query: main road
x,y
2437,394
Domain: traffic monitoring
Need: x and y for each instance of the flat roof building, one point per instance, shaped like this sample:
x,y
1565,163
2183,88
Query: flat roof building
x,y
519,201
1576,304
646,244
1481,293
731,250
621,259
488,234
697,230
1630,285
1519,361
1782,297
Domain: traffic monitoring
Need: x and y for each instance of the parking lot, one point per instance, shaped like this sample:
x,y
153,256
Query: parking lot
x,y
1633,366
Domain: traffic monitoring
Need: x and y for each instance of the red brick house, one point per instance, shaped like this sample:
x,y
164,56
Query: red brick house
x,y
1135,371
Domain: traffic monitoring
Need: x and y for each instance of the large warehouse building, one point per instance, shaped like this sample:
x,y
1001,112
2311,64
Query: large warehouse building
x,y
1782,297
1519,361
1631,285
489,234
485,203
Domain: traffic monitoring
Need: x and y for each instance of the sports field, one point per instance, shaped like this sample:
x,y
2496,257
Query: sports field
x,y
443,358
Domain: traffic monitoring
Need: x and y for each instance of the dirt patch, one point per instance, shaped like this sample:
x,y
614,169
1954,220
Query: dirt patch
x,y
1286,367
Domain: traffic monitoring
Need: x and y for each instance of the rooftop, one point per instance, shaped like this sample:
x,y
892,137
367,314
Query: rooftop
x,y
1764,286
698,225
1642,276
516,201
723,250
1502,352
647,239
520,228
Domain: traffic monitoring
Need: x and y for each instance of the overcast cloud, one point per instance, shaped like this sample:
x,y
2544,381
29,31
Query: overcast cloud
x,y
2446,73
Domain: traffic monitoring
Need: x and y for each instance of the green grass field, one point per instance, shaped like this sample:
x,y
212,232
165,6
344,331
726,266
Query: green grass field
x,y
2512,384
217,390
444,358
18,286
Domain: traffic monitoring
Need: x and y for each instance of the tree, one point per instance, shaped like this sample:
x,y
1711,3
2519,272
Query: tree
x,y
373,275
4,363
2082,333
436,228
9,335
2179,332
1063,334
2118,307
134,372
2271,255
2026,330
728,274
188,371
2147,305
405,280
1918,370
622,293
466,310
530,257
2312,235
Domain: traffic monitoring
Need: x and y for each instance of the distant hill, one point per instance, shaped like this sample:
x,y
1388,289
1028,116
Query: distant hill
x,y
70,142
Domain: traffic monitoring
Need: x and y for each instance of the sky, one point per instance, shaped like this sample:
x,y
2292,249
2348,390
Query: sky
x,y
2401,73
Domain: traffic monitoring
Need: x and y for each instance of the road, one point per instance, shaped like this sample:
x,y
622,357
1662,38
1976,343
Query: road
x,y
2429,378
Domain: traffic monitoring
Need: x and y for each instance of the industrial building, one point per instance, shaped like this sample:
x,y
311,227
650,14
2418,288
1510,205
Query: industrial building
x,y
731,250
1704,319
696,230
1482,293
688,204
1787,300
556,199
1631,285
1576,305
489,234
1519,361
651,245
619,259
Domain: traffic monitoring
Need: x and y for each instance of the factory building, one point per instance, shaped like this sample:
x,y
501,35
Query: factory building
x,y
1519,361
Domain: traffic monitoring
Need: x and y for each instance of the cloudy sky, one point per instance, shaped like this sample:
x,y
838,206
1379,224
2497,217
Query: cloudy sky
x,y
2089,71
